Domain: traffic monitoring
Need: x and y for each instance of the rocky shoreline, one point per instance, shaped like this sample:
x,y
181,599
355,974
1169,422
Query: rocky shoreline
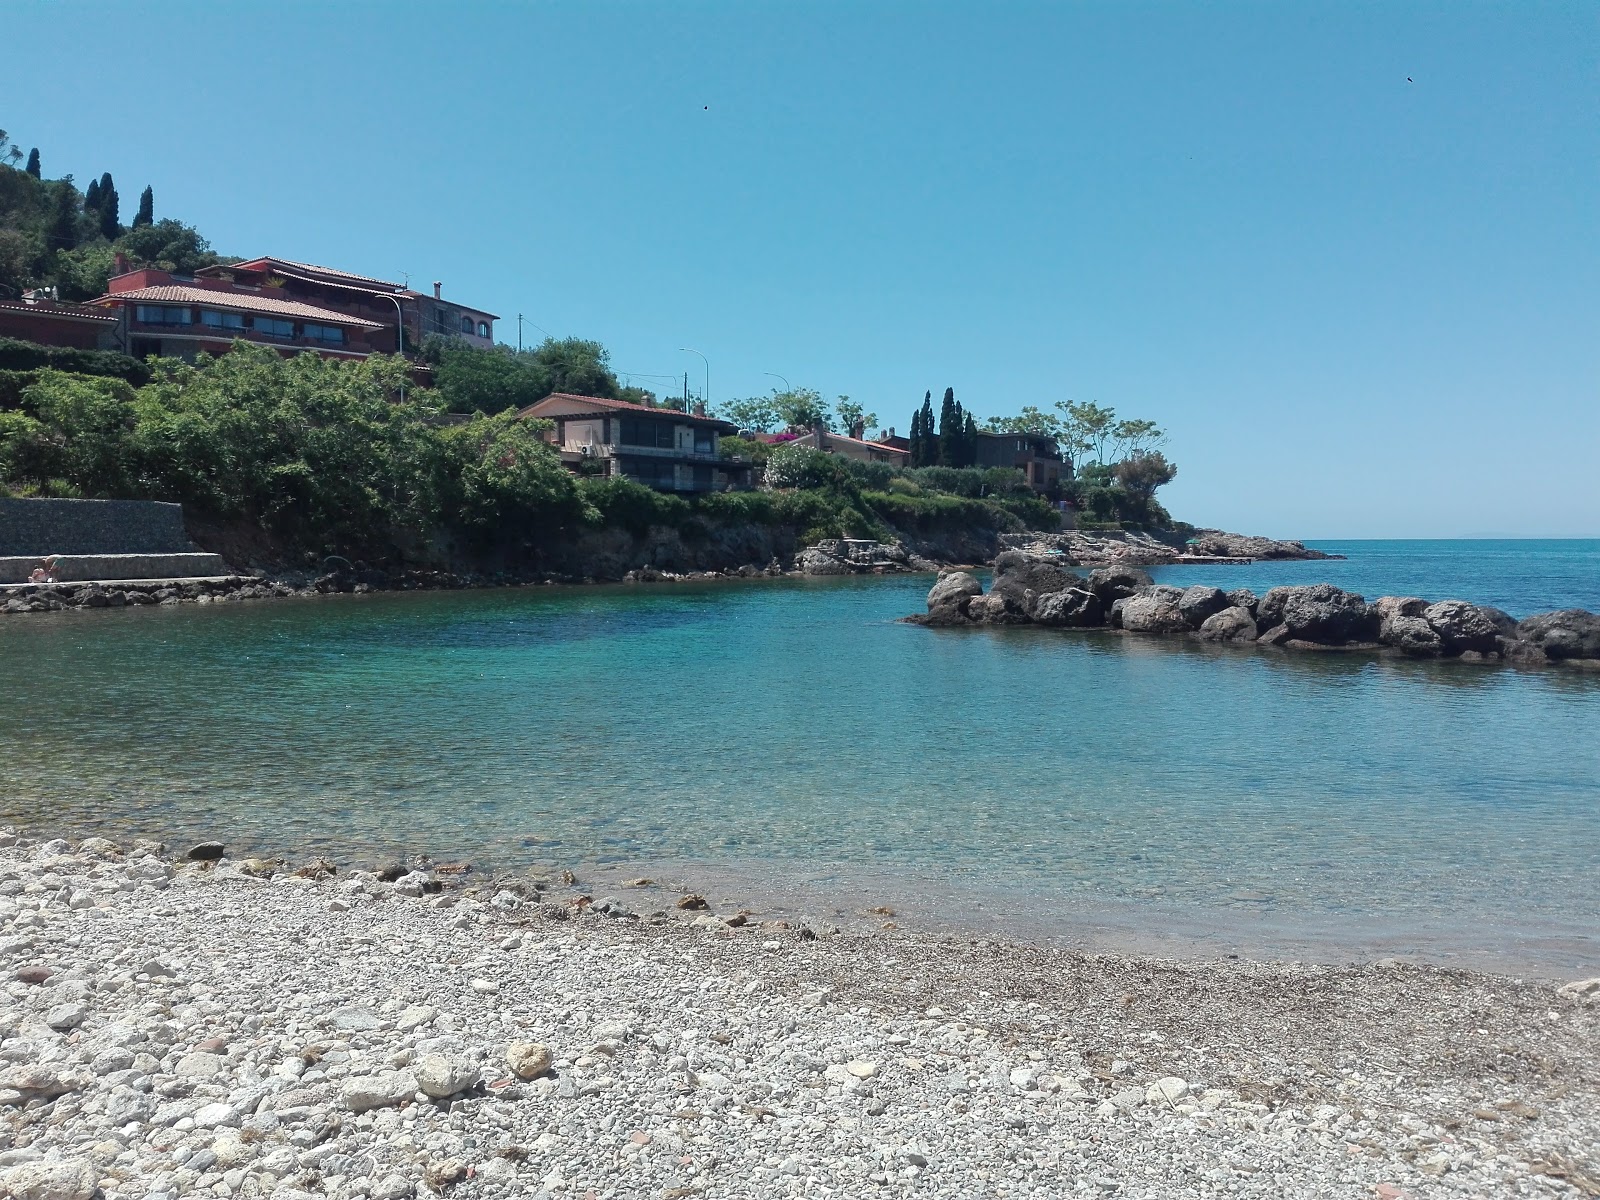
x,y
1085,548
205,1026
1031,589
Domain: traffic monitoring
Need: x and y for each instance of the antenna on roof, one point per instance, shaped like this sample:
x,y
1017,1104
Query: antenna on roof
x,y
406,278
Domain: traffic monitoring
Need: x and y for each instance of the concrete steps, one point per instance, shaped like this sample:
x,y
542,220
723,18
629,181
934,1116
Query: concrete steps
x,y
106,568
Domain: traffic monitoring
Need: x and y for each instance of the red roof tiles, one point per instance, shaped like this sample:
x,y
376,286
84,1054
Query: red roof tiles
x,y
242,302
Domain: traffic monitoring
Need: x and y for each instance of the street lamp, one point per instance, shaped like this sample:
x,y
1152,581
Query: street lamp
x,y
399,334
540,328
705,397
775,375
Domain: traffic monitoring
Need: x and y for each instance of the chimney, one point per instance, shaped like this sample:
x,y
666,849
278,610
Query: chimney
x,y
120,264
891,432
436,286
699,408
859,431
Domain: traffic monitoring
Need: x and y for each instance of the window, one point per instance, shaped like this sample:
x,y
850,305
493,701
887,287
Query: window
x,y
466,325
221,320
652,472
331,334
705,440
160,314
483,329
637,431
272,327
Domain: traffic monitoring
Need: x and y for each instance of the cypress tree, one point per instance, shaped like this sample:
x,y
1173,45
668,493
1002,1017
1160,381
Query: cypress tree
x,y
969,443
33,162
63,232
930,439
91,198
949,430
109,225
916,438
147,208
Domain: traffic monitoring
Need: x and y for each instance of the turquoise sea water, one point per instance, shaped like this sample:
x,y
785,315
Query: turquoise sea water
x,y
794,730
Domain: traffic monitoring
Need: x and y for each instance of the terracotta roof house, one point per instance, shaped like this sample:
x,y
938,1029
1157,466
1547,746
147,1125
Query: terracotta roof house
x,y
662,448
52,323
288,305
858,448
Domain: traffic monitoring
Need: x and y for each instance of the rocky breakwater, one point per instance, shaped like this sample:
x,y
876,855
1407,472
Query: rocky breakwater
x,y
852,556
223,1028
1086,548
1041,590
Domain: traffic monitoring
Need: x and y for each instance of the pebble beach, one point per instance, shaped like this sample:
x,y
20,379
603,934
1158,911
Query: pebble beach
x,y
219,1028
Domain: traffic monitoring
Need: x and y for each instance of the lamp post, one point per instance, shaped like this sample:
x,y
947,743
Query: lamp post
x,y
775,375
399,333
705,398
540,328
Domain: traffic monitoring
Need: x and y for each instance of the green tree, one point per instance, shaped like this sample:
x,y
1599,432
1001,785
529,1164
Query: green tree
x,y
12,154
1088,427
952,431
110,226
758,414
638,395
168,244
1029,420
91,195
576,367
969,443
925,437
61,232
853,417
801,408
147,208
471,379
1134,438
33,162
1143,473
81,273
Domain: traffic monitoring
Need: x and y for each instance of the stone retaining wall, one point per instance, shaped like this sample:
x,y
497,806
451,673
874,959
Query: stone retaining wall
x,y
34,528
82,567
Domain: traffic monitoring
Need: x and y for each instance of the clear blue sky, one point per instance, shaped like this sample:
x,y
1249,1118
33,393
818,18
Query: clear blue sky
x,y
1362,306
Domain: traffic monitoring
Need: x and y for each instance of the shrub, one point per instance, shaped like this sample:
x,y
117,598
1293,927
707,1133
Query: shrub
x,y
18,355
620,501
790,466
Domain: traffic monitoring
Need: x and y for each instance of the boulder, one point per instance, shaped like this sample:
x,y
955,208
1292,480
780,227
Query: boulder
x,y
1233,624
1022,578
440,1075
206,852
1154,610
1319,613
65,1180
1200,602
1115,583
1244,598
1462,627
1077,607
1568,633
1399,606
812,561
529,1059
1410,634
1276,636
1504,623
953,588
383,1090
996,608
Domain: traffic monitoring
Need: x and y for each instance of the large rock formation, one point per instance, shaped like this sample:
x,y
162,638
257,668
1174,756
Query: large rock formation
x,y
1030,589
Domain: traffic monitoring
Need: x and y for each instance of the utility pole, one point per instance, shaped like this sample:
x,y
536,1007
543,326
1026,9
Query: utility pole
x,y
686,391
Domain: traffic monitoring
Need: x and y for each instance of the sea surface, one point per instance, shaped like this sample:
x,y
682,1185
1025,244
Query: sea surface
x,y
791,746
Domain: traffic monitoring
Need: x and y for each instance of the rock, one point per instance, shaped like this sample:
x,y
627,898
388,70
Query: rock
x,y
99,847
199,1065
1319,613
949,597
353,1018
383,1090
65,1017
692,901
484,987
1115,583
1567,633
1200,602
205,852
1155,610
529,1060
66,1180
1410,634
1461,626
996,609
1076,607
1166,1091
1585,991
1389,607
1244,598
440,1075
1504,623
1276,636
1230,625
34,1081
1024,578
861,1069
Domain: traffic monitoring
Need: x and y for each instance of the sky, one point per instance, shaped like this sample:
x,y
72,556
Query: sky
x,y
1346,254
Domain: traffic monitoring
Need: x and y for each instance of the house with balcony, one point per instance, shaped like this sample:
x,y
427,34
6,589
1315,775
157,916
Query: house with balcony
x,y
1038,456
38,317
856,446
289,306
662,448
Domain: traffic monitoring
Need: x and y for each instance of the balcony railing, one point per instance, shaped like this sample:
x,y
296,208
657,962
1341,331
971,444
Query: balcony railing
x,y
616,449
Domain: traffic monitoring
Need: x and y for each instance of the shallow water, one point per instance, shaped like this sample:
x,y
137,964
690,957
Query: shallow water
x,y
794,729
